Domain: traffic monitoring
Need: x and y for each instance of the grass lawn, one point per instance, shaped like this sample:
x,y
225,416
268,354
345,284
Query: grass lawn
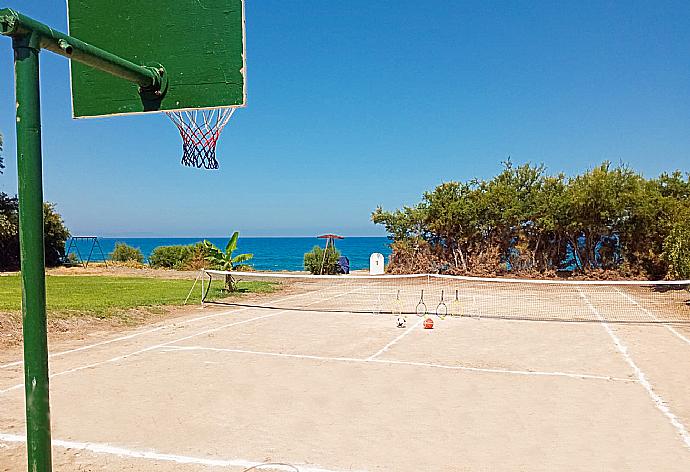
x,y
112,296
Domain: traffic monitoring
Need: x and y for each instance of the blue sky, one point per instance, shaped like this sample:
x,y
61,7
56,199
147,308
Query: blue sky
x,y
372,103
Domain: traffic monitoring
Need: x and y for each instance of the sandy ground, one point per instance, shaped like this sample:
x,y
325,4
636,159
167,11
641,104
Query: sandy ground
x,y
228,387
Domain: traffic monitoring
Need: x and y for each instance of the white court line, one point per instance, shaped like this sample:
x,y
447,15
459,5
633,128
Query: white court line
x,y
90,346
134,335
393,342
659,402
394,362
157,346
100,448
140,351
665,325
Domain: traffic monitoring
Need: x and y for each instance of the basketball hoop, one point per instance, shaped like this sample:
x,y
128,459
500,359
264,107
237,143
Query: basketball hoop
x,y
200,130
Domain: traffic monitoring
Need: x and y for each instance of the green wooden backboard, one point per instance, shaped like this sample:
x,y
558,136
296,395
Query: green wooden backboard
x,y
199,42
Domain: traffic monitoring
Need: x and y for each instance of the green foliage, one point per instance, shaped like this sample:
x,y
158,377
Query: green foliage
x,y
56,234
169,257
9,232
189,257
531,219
110,296
677,251
225,260
314,259
123,252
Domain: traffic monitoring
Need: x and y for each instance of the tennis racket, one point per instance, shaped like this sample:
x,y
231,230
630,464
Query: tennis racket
x,y
421,306
441,308
397,305
455,305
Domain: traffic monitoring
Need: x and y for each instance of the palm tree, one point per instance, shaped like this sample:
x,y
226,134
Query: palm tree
x,y
225,260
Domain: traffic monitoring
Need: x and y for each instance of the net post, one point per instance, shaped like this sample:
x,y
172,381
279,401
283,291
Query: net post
x,y
191,290
202,286
32,253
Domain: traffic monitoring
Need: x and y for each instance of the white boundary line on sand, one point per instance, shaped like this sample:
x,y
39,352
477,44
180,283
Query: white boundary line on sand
x,y
395,341
665,325
149,331
659,402
184,338
100,448
90,346
404,363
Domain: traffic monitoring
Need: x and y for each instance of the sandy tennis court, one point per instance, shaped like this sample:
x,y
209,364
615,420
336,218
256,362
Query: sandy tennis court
x,y
298,381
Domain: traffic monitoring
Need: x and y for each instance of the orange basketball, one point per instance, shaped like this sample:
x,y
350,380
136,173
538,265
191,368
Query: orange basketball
x,y
428,323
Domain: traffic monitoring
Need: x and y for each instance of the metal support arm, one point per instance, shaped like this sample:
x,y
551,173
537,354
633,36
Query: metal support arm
x,y
13,23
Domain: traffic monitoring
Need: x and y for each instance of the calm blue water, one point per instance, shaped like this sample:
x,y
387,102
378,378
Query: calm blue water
x,y
269,253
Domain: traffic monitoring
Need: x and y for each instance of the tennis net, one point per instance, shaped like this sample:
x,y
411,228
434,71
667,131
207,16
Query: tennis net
x,y
445,295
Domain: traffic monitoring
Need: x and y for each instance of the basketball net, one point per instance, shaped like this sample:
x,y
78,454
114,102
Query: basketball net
x,y
200,130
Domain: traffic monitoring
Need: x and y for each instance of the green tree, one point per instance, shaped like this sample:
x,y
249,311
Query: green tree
x,y
55,234
225,260
677,251
317,263
123,252
524,219
9,232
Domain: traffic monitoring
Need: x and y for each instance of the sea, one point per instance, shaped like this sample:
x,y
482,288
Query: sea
x,y
270,253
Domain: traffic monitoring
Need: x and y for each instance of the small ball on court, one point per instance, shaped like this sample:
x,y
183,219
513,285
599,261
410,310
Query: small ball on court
x,y
428,323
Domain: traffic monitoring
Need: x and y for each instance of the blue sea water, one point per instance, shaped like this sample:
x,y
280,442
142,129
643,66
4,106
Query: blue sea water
x,y
269,253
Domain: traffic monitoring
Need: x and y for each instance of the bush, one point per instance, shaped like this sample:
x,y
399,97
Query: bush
x,y
196,259
169,257
191,257
314,259
677,252
126,253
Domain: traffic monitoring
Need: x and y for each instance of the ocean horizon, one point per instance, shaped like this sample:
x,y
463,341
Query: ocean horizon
x,y
270,252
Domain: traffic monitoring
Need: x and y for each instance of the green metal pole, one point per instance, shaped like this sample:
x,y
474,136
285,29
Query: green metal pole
x,y
29,166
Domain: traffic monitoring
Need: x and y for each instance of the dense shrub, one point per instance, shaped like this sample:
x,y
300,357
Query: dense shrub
x,y
125,253
677,251
56,234
196,258
525,220
313,261
190,257
169,257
